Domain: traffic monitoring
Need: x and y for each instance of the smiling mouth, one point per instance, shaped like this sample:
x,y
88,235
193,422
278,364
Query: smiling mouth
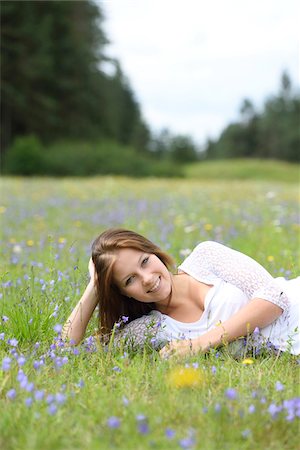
x,y
155,287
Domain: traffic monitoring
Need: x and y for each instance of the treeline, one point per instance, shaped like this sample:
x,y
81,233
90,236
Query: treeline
x,y
67,108
273,132
62,112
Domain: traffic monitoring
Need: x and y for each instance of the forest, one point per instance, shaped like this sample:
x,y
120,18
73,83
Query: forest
x,y
59,104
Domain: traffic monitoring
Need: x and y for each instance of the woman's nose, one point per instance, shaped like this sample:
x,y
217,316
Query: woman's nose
x,y
146,278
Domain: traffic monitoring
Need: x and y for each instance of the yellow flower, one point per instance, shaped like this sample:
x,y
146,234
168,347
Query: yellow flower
x,y
248,361
2,209
208,226
180,377
12,240
61,240
270,258
30,242
77,223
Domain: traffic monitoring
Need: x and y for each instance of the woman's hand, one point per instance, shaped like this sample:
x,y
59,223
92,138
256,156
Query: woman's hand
x,y
181,348
92,271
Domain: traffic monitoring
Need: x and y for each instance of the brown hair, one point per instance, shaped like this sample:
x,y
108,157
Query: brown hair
x,y
113,304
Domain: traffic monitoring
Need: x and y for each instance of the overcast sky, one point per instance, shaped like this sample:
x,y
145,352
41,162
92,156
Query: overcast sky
x,y
191,63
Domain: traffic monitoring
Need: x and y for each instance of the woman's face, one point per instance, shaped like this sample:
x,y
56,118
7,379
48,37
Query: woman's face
x,y
142,276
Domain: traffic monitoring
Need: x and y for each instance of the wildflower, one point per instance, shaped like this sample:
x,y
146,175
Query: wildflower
x,y
208,226
125,401
142,425
184,377
57,328
6,363
248,361
60,398
246,433
113,422
52,409
11,394
39,395
217,407
13,342
213,369
5,319
274,410
125,319
62,240
251,409
279,386
28,401
2,336
231,394
116,369
270,258
50,398
21,361
30,243
169,433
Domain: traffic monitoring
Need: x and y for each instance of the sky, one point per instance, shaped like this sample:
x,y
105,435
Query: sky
x,y
190,63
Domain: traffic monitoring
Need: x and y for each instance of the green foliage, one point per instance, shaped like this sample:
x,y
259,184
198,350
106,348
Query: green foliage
x,y
26,157
272,133
52,82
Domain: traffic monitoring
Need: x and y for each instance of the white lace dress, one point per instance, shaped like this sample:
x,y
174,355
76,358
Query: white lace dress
x,y
236,279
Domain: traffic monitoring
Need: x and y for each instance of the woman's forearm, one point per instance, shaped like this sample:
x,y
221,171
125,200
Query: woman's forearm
x,y
76,324
257,313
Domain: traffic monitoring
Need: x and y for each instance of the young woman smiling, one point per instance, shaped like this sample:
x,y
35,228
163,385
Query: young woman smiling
x,y
217,295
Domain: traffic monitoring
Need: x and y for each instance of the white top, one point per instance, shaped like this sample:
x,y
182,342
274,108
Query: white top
x,y
236,279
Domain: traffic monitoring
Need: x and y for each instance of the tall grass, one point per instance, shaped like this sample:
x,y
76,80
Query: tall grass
x,y
86,397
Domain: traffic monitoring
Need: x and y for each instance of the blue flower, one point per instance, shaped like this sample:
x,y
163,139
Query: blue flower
x,y
113,422
169,433
11,394
279,386
231,394
6,363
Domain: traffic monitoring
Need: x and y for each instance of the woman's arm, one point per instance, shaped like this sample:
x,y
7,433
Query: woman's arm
x,y
76,324
257,313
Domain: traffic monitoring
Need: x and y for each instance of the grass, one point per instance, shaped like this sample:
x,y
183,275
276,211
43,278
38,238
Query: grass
x,y
244,169
92,399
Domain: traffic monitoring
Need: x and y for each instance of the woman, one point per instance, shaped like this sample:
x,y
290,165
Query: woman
x,y
216,296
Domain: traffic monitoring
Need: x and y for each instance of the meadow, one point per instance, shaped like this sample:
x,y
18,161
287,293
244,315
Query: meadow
x,y
54,397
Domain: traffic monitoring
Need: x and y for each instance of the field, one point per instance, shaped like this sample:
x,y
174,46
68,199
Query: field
x,y
71,398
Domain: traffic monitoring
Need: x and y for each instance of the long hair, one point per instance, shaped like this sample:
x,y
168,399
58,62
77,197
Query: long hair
x,y
112,304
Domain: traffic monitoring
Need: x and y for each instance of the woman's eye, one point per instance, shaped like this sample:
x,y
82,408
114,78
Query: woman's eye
x,y
128,281
145,260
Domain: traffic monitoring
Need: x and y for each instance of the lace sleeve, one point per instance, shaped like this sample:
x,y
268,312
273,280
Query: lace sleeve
x,y
211,259
141,332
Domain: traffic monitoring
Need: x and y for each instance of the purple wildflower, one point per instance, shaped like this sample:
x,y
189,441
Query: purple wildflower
x,y
279,386
5,319
39,395
28,401
6,363
251,409
113,422
52,409
170,434
13,342
11,394
57,328
116,369
231,394
2,336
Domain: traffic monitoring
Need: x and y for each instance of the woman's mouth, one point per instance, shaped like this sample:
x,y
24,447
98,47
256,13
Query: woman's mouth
x,y
156,286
